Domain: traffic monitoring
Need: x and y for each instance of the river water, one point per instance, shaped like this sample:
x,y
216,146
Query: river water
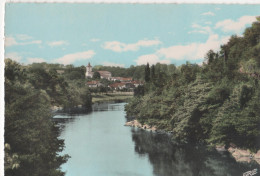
x,y
100,145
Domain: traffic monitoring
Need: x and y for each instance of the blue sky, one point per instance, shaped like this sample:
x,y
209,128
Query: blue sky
x,y
120,34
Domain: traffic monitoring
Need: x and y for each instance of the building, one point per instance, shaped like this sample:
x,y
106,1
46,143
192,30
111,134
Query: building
x,y
129,85
117,86
137,83
94,84
103,74
89,73
122,85
121,79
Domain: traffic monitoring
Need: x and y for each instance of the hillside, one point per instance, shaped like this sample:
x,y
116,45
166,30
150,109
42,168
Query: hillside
x,y
216,103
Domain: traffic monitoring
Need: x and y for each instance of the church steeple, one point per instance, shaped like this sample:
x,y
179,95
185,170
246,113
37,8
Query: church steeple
x,y
89,72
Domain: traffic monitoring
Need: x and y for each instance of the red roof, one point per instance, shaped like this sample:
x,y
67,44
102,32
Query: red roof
x,y
137,82
104,72
92,82
122,78
115,85
126,79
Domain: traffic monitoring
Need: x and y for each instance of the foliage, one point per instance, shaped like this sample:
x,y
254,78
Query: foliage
x,y
137,72
96,75
31,136
147,73
216,103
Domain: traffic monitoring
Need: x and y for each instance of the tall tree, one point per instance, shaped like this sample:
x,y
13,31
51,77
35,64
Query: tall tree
x,y
152,76
147,73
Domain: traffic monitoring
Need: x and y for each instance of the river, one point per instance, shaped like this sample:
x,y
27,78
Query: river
x,y
100,145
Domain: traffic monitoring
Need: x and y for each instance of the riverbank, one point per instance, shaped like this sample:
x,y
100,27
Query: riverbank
x,y
135,123
240,155
108,97
96,99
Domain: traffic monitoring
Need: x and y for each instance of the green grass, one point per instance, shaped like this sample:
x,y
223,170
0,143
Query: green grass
x,y
111,97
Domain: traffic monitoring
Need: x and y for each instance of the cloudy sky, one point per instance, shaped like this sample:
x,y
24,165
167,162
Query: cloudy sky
x,y
120,34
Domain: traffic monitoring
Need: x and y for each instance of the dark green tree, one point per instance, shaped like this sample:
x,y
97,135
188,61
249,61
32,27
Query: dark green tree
x,y
31,136
96,75
152,76
147,73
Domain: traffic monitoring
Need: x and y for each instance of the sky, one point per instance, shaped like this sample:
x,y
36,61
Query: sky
x,y
121,34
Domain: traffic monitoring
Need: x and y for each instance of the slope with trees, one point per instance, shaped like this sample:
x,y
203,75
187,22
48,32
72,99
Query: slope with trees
x,y
32,145
216,103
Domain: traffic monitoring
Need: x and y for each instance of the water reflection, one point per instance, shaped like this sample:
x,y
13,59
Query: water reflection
x,y
99,144
108,106
169,158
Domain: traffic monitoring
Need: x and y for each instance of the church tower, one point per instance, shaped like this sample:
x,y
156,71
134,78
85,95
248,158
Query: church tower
x,y
89,72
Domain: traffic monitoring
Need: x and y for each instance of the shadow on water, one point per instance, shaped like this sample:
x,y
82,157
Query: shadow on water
x,y
61,118
108,106
168,158
101,106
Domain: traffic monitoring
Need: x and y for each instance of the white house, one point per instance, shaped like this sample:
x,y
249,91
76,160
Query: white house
x,y
94,84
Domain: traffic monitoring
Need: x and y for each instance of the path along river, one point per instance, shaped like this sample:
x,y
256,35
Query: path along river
x,y
100,145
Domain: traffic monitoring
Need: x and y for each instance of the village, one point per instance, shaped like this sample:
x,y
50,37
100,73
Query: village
x,y
112,83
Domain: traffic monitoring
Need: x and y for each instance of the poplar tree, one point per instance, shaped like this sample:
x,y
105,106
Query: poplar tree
x,y
152,72
147,73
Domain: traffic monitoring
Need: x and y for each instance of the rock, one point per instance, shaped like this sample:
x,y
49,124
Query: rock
x,y
244,159
236,154
257,160
245,153
135,123
221,148
145,126
128,123
257,155
239,152
154,128
231,150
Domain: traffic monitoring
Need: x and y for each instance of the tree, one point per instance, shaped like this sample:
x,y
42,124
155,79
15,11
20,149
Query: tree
x,y
216,103
139,91
147,73
31,136
152,76
96,75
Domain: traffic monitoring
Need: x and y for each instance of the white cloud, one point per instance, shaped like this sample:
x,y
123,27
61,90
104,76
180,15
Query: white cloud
x,y
217,8
14,56
151,59
208,14
57,43
23,37
208,22
11,41
35,60
113,64
235,26
70,58
122,47
31,42
95,40
192,51
200,29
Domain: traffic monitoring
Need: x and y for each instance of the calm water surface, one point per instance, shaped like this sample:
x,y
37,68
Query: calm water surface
x,y
100,145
